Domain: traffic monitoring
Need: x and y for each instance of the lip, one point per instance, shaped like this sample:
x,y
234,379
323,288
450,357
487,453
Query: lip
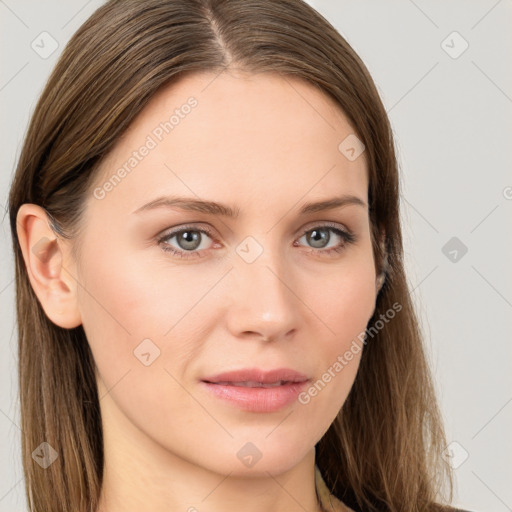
x,y
257,399
258,375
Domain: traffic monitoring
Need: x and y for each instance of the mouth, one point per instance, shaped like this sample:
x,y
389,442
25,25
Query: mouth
x,y
262,392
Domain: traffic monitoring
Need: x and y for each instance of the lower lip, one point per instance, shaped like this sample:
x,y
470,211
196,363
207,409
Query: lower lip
x,y
258,399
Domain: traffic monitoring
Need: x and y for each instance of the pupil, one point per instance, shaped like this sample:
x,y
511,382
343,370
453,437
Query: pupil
x,y
189,239
319,237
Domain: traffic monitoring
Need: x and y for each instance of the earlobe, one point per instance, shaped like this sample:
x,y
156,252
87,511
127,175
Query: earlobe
x,y
46,259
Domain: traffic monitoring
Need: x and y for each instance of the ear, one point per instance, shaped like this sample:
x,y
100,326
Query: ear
x,y
381,277
47,259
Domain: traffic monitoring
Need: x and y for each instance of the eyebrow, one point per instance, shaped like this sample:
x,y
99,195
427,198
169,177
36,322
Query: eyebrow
x,y
214,208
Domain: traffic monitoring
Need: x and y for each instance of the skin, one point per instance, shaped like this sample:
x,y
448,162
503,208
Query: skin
x,y
263,144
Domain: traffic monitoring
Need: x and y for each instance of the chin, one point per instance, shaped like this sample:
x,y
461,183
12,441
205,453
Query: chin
x,y
258,457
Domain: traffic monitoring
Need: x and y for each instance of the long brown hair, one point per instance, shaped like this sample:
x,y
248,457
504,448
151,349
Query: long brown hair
x,y
383,451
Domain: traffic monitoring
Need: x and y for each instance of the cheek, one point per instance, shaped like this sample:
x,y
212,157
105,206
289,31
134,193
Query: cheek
x,y
126,313
127,299
117,312
343,300
343,304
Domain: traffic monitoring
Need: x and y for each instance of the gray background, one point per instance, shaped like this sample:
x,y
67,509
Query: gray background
x,y
451,114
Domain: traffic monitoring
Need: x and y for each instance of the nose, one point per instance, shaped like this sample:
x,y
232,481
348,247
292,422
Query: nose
x,y
263,302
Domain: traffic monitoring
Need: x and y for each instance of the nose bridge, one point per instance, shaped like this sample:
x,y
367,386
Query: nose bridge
x,y
263,300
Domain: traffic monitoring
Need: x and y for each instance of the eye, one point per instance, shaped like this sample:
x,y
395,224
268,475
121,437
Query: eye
x,y
319,238
189,240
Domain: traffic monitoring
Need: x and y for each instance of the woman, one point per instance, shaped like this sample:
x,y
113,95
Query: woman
x,y
212,306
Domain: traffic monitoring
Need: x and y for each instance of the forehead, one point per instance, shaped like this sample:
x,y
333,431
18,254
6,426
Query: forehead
x,y
261,137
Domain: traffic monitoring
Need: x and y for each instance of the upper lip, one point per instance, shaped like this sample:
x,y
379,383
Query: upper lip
x,y
258,375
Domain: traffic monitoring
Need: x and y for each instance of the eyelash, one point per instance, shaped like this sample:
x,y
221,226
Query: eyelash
x,y
347,237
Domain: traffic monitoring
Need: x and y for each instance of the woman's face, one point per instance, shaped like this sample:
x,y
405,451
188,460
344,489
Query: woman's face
x,y
264,287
